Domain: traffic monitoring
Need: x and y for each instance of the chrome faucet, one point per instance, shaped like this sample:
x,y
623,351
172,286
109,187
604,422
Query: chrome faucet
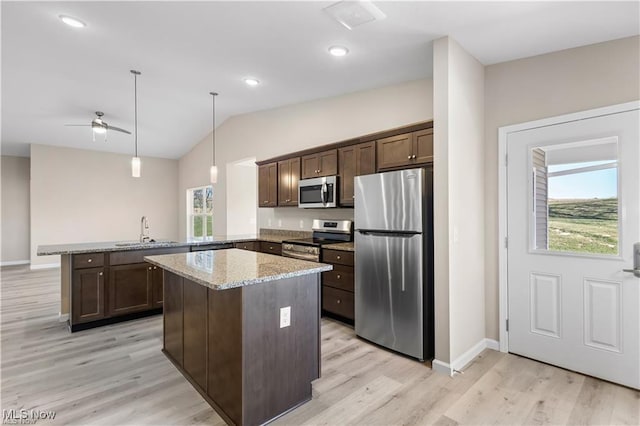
x,y
144,230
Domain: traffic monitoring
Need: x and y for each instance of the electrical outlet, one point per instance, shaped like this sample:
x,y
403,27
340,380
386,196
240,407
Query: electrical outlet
x,y
285,316
279,223
301,224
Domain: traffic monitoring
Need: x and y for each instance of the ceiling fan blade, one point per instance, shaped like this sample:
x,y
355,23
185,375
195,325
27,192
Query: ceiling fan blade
x,y
118,129
78,125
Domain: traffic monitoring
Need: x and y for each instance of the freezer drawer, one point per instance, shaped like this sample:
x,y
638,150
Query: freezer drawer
x,y
389,291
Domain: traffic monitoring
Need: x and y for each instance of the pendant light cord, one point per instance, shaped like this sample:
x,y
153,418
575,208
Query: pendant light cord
x,y
135,106
213,133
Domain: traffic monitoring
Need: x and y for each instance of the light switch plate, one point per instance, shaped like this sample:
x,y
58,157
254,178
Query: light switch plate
x,y
285,316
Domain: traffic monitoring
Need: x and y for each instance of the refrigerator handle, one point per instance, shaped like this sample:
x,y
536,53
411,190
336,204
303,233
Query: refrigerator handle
x,y
389,233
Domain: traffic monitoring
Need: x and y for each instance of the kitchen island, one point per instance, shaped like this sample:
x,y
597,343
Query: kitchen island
x,y
244,328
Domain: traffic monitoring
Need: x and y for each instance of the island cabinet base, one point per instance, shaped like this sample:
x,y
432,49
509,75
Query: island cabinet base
x,y
230,346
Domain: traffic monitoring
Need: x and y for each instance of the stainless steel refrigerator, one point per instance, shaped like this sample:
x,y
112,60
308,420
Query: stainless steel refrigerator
x,y
394,260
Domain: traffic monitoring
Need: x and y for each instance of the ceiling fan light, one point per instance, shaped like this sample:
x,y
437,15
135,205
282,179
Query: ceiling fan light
x,y
135,167
99,130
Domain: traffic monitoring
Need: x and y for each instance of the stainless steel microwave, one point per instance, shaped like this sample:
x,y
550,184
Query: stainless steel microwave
x,y
318,192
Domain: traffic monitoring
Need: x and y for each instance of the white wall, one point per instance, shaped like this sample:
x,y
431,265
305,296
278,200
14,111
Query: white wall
x,y
459,198
82,196
274,132
241,197
545,86
15,210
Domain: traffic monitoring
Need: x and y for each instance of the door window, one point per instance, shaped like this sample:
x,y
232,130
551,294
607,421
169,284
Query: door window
x,y
575,201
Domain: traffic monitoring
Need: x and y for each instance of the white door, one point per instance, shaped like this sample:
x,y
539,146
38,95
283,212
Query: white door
x,y
573,217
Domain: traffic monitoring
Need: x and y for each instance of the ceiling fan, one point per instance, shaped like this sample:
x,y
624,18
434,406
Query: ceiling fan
x,y
100,127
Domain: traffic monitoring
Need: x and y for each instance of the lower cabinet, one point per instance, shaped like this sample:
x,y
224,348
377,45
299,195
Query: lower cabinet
x,y
338,284
156,284
195,331
173,317
87,295
271,248
130,288
248,245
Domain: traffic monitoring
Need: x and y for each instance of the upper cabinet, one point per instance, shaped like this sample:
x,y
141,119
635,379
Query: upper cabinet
x,y
404,150
354,160
320,164
268,185
288,177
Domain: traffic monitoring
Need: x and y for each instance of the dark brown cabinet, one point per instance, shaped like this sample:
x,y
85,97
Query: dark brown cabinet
x,y
248,245
288,177
87,295
271,248
338,285
195,331
173,316
405,150
130,288
268,185
320,164
354,160
156,285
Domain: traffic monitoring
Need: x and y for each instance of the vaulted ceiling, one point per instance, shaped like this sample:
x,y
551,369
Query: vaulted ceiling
x,y
53,74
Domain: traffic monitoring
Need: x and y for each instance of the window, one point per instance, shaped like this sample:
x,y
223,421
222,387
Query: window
x,y
575,197
200,212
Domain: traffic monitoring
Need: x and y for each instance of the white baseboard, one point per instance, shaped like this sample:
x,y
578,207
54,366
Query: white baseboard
x,y
459,363
441,367
63,317
14,262
45,266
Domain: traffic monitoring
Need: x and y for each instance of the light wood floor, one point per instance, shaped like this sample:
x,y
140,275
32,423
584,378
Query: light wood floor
x,y
117,375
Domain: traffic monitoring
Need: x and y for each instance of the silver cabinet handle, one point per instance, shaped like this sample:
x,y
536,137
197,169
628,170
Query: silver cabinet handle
x,y
155,267
338,257
338,301
90,260
265,201
100,273
408,157
338,276
353,196
414,156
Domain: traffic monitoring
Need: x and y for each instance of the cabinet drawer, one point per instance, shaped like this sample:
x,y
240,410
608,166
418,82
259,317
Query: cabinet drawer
x,y
248,245
208,247
137,256
338,302
90,260
340,277
271,248
338,256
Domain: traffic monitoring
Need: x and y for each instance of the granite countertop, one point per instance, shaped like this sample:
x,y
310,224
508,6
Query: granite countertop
x,y
346,246
230,268
104,246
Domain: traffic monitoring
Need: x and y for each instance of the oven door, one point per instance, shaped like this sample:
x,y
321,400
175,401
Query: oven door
x,y
318,192
298,251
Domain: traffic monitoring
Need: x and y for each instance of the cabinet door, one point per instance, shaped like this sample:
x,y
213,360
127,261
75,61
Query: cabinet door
x,y
156,280
395,151
172,316
347,170
130,288
288,176
423,146
328,163
268,185
310,166
195,331
87,295
354,160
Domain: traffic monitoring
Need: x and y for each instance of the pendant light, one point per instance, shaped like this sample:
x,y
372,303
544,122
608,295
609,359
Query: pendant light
x,y
214,169
135,161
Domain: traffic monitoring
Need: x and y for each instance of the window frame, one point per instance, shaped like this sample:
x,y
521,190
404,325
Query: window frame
x,y
191,215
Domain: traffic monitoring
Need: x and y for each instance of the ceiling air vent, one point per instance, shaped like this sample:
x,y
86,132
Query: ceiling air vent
x,y
352,14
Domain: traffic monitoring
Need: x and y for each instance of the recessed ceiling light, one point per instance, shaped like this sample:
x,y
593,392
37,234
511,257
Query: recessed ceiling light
x,y
338,50
72,22
251,81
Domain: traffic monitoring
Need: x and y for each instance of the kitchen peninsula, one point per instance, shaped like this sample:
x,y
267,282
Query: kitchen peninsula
x,y
244,328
